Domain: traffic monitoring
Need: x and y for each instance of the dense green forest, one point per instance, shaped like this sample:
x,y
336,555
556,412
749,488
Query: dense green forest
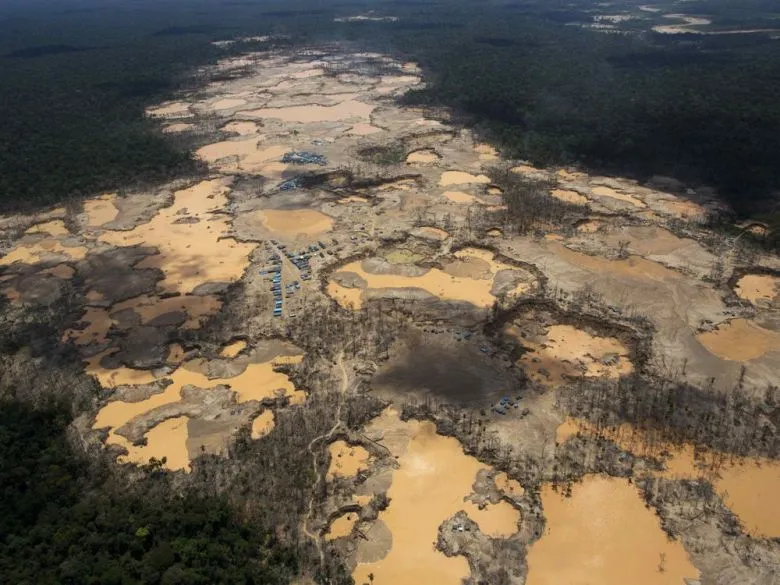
x,y
75,77
66,520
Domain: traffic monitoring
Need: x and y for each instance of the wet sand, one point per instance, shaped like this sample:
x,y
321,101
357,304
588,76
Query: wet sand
x,y
101,210
568,352
295,223
435,281
346,460
740,340
231,350
462,178
167,440
34,253
604,534
342,526
263,424
459,197
747,484
420,501
425,156
758,288
346,110
55,227
190,254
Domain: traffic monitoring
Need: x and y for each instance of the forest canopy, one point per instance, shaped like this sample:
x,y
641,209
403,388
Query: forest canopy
x,y
64,520
531,75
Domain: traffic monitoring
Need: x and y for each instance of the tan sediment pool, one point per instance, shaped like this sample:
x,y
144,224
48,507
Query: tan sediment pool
x,y
590,227
424,156
227,103
172,110
241,128
256,382
231,350
263,424
758,288
459,197
346,460
461,178
348,298
101,210
55,227
194,251
363,129
510,487
633,267
33,253
353,199
526,170
435,281
739,340
569,352
166,440
431,233
681,208
342,526
747,484
346,110
433,477
604,534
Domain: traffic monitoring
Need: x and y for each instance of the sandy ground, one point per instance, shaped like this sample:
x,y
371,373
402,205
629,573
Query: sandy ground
x,y
758,288
417,492
604,534
746,484
346,460
461,286
740,340
565,352
154,265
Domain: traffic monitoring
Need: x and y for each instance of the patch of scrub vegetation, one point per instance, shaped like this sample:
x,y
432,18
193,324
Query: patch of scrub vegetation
x,y
402,256
393,153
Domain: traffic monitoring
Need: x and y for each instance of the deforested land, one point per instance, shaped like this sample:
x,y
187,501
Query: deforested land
x,y
359,329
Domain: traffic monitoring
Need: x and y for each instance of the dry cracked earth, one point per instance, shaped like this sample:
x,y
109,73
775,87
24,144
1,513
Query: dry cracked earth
x,y
409,212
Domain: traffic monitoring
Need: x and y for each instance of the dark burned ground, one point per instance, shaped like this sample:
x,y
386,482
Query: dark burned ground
x,y
438,366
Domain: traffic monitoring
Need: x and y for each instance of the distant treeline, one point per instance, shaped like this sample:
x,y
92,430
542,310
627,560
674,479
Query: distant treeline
x,y
702,109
